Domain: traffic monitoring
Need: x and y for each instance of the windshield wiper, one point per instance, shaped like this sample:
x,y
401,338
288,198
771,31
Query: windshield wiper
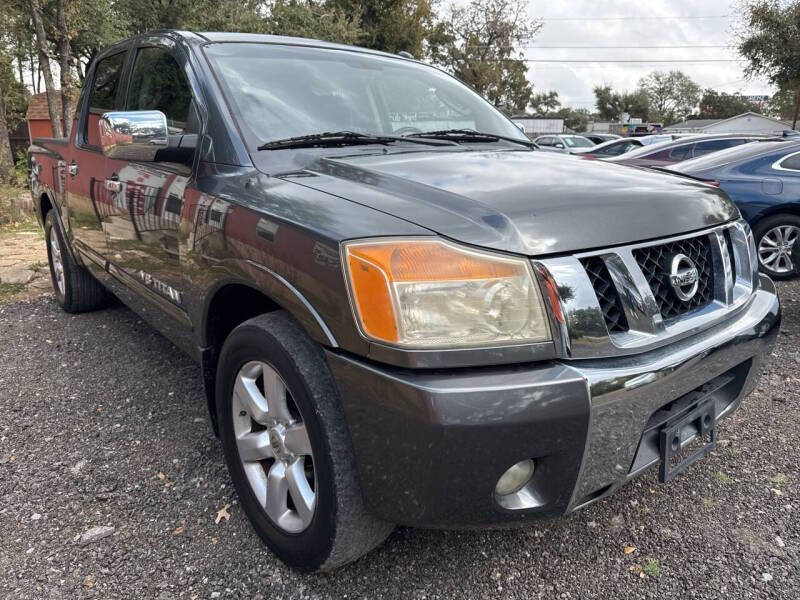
x,y
345,138
468,135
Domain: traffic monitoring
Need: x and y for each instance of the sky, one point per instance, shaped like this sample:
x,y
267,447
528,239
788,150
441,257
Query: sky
x,y
620,23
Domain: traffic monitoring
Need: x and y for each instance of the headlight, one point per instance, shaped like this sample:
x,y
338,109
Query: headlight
x,y
429,293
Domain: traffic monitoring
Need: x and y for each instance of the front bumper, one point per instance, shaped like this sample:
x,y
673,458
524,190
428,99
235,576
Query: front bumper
x,y
430,445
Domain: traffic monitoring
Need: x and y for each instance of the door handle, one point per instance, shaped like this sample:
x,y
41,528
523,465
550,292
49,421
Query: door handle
x,y
113,185
72,169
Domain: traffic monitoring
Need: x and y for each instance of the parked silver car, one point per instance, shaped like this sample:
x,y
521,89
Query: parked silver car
x,y
562,143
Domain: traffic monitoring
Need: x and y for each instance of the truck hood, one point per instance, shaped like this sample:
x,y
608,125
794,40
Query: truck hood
x,y
531,203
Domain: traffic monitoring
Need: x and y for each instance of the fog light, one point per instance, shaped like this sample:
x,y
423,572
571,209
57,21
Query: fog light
x,y
515,478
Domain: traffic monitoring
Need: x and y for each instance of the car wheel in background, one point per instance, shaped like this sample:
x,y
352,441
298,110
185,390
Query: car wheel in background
x,y
775,237
75,288
288,448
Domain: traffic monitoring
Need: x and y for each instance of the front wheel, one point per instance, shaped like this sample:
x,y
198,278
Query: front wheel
x,y
287,446
775,239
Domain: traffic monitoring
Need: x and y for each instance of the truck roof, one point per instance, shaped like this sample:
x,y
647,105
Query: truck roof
x,y
223,36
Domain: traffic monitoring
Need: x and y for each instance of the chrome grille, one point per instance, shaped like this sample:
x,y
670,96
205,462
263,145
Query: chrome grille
x,y
595,287
607,294
655,264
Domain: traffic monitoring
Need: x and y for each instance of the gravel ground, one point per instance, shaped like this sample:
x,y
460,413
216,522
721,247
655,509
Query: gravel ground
x,y
103,425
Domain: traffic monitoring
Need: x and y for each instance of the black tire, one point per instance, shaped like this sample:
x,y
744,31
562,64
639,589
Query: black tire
x,y
760,230
81,291
341,529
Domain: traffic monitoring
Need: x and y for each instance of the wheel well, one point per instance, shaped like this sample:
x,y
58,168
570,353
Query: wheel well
x,y
44,206
231,305
784,209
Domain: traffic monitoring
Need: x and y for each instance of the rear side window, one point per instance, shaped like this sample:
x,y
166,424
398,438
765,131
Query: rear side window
x,y
103,94
681,152
158,83
701,148
616,149
545,141
791,162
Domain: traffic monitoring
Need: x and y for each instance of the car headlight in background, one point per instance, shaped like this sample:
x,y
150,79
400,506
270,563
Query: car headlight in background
x,y
430,293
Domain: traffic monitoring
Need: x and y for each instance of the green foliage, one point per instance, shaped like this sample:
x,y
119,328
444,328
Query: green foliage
x,y
313,20
671,95
479,43
651,567
782,104
577,119
719,105
544,102
769,39
610,104
390,25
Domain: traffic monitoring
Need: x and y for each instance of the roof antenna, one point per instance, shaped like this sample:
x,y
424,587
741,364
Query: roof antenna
x,y
405,54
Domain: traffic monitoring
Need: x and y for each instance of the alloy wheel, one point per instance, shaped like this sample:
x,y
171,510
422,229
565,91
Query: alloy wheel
x,y
56,261
273,446
775,248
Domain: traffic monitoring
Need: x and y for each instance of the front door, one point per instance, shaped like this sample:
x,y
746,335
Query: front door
x,y
90,207
144,243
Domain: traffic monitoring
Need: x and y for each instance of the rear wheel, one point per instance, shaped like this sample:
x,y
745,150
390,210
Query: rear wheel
x,y
287,446
75,288
775,240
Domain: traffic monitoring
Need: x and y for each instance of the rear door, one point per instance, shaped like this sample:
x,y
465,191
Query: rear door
x,y
145,244
90,207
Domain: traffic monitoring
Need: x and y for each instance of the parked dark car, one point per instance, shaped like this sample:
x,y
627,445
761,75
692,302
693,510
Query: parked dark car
x,y
599,138
763,180
403,313
667,153
610,148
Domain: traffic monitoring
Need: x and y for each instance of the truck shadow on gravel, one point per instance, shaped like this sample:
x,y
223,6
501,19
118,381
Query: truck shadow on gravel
x,y
103,424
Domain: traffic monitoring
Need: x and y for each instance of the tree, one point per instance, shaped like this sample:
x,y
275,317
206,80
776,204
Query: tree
x,y
480,44
769,39
390,25
314,20
6,159
65,65
782,104
720,105
611,105
544,103
576,119
43,49
671,95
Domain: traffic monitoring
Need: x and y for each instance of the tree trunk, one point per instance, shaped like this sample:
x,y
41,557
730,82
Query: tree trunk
x,y
6,159
796,108
44,67
65,64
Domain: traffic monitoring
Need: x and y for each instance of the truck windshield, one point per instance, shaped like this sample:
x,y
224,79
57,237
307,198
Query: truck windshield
x,y
279,92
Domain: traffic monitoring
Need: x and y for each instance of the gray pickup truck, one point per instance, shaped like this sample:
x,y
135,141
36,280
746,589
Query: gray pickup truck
x,y
403,312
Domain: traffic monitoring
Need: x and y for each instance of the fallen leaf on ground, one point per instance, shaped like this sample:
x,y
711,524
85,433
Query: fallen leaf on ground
x,y
161,476
223,513
178,530
629,549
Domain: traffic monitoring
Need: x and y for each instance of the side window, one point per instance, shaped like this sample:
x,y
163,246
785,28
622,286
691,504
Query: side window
x,y
681,152
103,93
545,141
614,149
702,148
791,162
158,83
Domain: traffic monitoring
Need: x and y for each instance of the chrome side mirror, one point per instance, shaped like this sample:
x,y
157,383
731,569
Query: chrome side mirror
x,y
133,135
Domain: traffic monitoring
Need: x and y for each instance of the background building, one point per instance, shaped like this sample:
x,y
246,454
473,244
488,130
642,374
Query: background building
x,y
748,122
